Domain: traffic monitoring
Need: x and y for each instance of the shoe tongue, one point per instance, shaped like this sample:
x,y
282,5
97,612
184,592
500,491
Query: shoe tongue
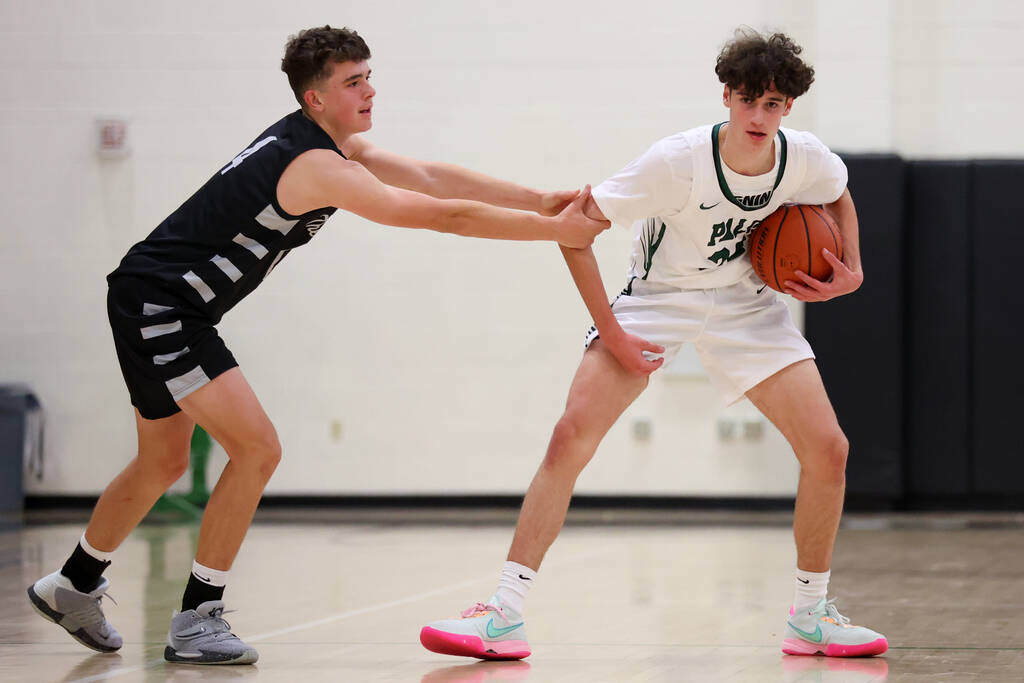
x,y
100,588
509,613
211,608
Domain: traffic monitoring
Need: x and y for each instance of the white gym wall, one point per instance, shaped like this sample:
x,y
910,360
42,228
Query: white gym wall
x,y
397,361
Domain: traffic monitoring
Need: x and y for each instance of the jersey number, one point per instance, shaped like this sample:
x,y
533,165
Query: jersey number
x,y
248,153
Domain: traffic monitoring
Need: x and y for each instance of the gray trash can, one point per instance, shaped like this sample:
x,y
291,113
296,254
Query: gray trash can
x,y
21,443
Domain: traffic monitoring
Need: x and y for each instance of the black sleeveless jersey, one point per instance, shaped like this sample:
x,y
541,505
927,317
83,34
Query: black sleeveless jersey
x,y
219,245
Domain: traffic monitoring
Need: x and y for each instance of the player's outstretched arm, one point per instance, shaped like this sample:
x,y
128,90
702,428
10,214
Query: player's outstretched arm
x,y
627,349
322,178
448,181
847,275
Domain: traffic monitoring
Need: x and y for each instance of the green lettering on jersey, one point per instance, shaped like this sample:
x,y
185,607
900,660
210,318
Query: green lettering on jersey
x,y
719,231
724,230
723,255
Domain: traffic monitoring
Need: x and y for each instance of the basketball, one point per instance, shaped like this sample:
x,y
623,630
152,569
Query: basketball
x,y
791,239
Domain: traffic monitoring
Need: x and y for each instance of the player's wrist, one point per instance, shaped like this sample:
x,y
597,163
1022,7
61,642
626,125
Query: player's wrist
x,y
611,332
535,200
555,226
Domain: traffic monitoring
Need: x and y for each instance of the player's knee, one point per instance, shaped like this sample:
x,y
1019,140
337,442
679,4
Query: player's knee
x,y
267,455
258,453
167,466
564,448
839,450
566,433
175,470
833,449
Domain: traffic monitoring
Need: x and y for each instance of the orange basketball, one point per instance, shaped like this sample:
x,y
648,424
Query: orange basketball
x,y
791,239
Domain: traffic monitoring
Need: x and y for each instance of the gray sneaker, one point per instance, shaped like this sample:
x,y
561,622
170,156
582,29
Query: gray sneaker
x,y
202,636
56,599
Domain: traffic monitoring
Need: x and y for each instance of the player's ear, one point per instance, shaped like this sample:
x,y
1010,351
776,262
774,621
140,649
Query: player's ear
x,y
789,106
725,96
312,99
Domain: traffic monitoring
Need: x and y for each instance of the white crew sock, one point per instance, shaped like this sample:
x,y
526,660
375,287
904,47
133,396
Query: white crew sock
x,y
211,577
513,585
98,554
810,588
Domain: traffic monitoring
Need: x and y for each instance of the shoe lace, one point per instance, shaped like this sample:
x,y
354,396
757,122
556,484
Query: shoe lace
x,y
480,609
221,624
832,611
91,612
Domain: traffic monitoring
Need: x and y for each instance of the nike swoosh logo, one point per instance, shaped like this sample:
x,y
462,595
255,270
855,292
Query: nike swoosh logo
x,y
494,632
705,208
813,637
797,578
525,578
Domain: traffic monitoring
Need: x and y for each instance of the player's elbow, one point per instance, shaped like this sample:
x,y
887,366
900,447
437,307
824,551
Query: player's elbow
x,y
429,178
844,200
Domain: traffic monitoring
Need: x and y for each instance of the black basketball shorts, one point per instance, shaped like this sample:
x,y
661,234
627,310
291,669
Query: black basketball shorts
x,y
166,349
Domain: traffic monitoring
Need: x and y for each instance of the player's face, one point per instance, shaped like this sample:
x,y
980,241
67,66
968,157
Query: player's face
x,y
757,120
345,98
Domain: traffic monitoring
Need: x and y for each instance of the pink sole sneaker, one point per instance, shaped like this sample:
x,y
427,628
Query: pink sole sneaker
x,y
793,646
471,646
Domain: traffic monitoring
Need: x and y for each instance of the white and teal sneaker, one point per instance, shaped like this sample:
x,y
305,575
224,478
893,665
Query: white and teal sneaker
x,y
823,630
484,631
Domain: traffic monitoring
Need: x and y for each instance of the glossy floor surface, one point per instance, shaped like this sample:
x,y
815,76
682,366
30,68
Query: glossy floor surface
x,y
614,602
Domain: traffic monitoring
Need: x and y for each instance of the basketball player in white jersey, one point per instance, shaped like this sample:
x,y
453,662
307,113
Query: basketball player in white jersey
x,y
172,288
693,198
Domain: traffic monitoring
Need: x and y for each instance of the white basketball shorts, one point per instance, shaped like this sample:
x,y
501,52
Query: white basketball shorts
x,y
743,333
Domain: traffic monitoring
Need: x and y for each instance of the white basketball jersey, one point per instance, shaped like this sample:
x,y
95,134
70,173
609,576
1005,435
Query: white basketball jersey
x,y
692,215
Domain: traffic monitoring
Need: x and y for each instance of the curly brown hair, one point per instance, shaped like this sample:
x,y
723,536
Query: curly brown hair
x,y
310,55
752,63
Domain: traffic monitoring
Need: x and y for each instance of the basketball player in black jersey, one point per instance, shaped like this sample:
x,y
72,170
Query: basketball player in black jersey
x,y
172,288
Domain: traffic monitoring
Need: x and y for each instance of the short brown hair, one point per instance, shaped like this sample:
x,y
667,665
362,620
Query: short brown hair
x,y
752,63
311,54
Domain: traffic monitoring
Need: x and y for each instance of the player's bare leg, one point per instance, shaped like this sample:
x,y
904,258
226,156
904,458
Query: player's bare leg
x,y
228,409
71,597
794,399
600,392
162,459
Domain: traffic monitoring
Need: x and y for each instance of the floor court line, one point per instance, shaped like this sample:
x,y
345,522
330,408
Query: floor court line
x,y
338,617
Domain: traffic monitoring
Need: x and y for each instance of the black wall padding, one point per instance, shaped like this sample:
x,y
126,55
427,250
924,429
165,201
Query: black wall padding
x,y
998,330
858,338
938,328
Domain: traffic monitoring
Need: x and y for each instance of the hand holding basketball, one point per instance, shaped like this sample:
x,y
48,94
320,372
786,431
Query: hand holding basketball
x,y
843,281
798,250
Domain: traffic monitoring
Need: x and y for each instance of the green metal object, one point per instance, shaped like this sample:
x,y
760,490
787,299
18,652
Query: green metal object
x,y
202,443
175,507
